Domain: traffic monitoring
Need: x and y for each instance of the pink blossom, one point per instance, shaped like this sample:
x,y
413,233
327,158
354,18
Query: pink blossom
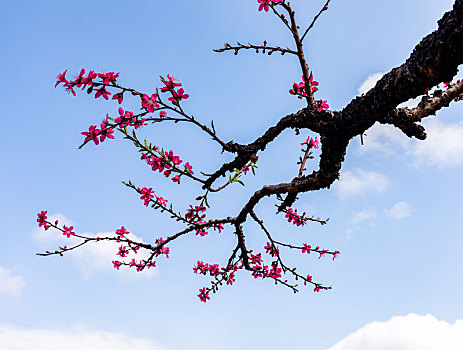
x,y
311,142
308,278
117,264
200,266
264,4
102,92
68,231
161,201
170,84
203,295
42,217
274,272
201,232
68,87
119,97
146,194
165,250
106,132
194,214
256,259
213,270
88,80
176,179
306,249
108,78
322,105
299,89
270,249
123,251
121,232
231,279
149,102
139,123
188,168
336,253
323,252
61,78
177,96
92,134
140,266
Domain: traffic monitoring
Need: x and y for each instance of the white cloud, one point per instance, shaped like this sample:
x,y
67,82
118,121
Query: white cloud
x,y
12,338
363,215
10,285
369,82
358,182
411,332
385,139
93,256
400,210
443,146
411,103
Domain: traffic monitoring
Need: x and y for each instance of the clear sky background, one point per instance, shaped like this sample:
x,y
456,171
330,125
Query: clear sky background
x,y
396,215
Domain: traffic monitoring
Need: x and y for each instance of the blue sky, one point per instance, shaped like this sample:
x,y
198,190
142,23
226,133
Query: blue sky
x,y
395,215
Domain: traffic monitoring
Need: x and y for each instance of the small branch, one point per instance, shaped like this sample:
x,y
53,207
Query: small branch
x,y
264,48
325,7
300,54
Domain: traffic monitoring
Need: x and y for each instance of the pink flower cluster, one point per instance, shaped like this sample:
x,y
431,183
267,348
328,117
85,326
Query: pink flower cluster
x,y
164,250
123,251
146,194
264,4
215,271
170,85
204,268
42,220
271,249
167,161
299,89
196,215
322,105
82,81
126,118
297,219
203,295
311,142
93,133
263,271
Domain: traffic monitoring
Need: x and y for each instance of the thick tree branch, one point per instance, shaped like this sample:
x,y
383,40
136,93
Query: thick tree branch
x,y
434,60
407,119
